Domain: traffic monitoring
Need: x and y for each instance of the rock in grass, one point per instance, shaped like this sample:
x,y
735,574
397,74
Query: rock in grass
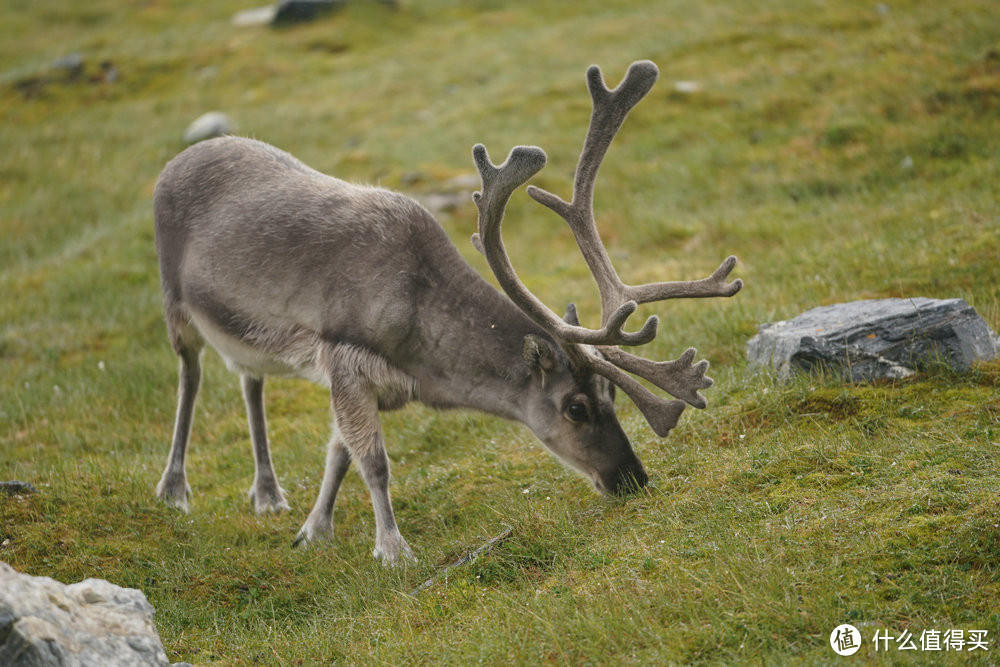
x,y
16,487
93,622
207,126
300,11
876,339
256,16
71,64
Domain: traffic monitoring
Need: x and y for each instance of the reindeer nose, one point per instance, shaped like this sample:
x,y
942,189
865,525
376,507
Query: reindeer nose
x,y
629,479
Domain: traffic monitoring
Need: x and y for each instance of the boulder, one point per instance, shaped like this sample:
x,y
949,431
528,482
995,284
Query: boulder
x,y
876,339
93,622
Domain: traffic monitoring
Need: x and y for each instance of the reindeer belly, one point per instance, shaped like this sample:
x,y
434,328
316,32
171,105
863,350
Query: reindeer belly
x,y
294,353
299,353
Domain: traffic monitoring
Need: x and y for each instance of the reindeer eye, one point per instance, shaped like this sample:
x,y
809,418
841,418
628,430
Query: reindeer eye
x,y
578,412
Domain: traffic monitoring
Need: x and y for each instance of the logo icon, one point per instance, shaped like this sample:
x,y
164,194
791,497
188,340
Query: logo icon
x,y
845,639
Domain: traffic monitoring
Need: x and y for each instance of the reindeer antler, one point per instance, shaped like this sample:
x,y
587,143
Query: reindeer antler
x,y
610,109
680,377
499,182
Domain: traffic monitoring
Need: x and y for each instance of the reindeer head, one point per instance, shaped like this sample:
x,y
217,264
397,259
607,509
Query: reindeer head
x,y
586,433
572,411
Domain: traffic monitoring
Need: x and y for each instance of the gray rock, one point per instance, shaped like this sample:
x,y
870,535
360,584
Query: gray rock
x,y
465,182
256,16
876,339
16,487
300,11
207,126
457,192
442,202
71,64
93,622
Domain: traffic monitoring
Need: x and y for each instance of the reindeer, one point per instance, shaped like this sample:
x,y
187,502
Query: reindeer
x,y
286,271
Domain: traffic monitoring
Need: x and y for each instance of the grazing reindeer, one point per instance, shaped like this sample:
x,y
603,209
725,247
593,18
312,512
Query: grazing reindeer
x,y
287,271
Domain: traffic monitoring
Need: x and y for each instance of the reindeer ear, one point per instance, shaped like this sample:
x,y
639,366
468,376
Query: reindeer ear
x,y
538,353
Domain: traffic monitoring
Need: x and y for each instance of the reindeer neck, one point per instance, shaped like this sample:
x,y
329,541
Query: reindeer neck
x,y
469,341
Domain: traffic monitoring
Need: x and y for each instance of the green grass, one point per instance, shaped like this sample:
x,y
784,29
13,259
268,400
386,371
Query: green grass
x,y
840,151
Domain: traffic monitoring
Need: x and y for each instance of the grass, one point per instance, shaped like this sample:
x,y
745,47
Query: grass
x,y
843,150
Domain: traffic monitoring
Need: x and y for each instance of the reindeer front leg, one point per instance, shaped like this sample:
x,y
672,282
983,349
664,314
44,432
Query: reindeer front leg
x,y
319,525
356,413
389,544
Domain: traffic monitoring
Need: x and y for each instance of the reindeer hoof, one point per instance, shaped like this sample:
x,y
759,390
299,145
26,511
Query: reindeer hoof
x,y
304,540
267,500
314,531
173,489
390,549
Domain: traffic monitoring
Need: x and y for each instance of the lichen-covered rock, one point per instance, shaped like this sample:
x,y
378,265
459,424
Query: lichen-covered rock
x,y
876,339
93,622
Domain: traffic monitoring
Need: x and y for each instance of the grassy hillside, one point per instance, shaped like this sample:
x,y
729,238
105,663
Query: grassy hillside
x,y
842,150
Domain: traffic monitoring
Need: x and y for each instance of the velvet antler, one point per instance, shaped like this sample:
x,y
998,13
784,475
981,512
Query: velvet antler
x,y
681,378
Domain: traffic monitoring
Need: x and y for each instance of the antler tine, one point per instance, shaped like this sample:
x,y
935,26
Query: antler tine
x,y
714,285
609,112
680,378
610,107
661,414
499,182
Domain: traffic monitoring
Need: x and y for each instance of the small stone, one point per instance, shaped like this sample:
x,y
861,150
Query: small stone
x,y
109,72
468,181
443,202
258,16
71,64
876,339
207,126
687,87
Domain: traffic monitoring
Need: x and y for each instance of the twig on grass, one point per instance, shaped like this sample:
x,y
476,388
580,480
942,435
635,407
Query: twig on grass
x,y
467,558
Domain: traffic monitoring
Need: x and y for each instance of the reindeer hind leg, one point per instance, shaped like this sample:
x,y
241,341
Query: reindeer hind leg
x,y
173,487
265,494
